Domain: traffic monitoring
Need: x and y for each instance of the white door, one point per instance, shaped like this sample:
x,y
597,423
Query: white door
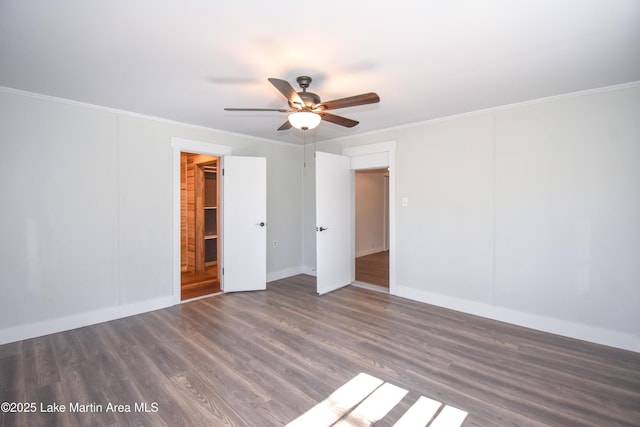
x,y
334,245
244,237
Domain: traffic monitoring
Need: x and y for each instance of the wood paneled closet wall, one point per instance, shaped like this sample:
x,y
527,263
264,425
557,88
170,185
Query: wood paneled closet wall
x,y
199,219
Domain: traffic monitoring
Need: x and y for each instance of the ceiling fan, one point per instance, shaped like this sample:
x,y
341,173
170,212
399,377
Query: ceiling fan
x,y
306,108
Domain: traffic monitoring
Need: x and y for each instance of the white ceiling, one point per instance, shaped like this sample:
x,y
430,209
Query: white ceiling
x,y
186,60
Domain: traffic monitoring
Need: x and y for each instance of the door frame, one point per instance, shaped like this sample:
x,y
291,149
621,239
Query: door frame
x,y
179,145
375,156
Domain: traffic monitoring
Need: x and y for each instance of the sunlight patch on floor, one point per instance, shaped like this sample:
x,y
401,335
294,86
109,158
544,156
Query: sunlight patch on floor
x,y
365,399
340,402
423,409
374,407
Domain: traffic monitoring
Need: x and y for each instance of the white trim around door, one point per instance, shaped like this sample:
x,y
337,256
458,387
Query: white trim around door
x,y
373,156
179,145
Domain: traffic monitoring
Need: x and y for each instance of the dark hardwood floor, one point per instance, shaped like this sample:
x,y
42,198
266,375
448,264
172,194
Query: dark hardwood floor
x,y
373,269
265,358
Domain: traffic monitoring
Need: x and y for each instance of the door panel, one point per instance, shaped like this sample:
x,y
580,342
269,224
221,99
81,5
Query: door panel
x,y
334,246
244,223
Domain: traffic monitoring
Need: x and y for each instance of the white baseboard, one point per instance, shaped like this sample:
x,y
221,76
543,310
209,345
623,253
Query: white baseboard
x,y
566,328
51,326
556,326
310,270
287,272
65,323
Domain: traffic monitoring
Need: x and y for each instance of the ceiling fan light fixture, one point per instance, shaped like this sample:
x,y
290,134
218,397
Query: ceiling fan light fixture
x,y
306,108
304,120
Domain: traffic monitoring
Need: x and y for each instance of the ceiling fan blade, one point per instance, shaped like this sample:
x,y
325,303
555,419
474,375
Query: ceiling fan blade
x,y
282,110
286,125
288,91
365,98
339,120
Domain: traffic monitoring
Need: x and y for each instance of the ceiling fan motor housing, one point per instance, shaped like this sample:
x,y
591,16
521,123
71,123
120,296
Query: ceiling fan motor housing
x,y
310,99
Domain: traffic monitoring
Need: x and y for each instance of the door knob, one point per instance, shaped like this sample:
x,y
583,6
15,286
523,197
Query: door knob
x,y
321,229
261,224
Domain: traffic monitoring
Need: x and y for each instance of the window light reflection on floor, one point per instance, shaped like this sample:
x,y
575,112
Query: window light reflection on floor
x,y
374,407
366,399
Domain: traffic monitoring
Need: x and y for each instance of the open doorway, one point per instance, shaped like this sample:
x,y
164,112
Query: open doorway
x,y
199,225
372,227
335,214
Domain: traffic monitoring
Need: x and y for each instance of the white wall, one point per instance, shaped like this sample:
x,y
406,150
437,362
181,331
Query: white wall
x,y
528,213
370,221
567,210
86,217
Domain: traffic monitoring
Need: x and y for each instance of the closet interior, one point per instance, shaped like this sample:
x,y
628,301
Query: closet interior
x,y
199,225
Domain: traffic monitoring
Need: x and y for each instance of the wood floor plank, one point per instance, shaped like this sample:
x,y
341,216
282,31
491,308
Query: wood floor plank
x,y
39,363
11,373
265,358
45,395
373,269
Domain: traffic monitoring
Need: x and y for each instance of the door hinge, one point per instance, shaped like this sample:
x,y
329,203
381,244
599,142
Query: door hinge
x,y
223,271
223,172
